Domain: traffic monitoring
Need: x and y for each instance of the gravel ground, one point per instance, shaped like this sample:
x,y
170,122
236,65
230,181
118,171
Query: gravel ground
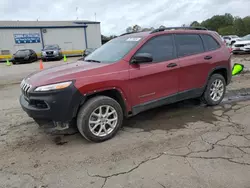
x,y
181,145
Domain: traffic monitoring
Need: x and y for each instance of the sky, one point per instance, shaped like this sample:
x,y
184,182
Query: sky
x,y
116,15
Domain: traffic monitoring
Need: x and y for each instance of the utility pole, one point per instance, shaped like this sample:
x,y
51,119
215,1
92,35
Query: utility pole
x,y
76,13
95,16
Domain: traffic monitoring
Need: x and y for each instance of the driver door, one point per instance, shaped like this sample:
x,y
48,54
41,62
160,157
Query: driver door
x,y
154,81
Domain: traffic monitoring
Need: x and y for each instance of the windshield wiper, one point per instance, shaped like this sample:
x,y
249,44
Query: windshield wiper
x,y
92,60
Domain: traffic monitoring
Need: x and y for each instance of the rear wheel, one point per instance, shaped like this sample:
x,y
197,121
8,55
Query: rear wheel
x,y
215,90
100,118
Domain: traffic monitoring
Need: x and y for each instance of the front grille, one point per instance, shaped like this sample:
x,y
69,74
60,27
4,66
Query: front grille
x,y
239,45
49,53
39,104
25,87
19,58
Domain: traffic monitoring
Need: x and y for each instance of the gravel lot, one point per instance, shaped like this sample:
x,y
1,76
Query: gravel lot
x,y
180,145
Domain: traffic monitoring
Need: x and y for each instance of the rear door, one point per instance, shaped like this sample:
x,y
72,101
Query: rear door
x,y
158,79
194,64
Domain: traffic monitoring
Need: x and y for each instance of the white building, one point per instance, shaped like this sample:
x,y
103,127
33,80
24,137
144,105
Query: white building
x,y
72,36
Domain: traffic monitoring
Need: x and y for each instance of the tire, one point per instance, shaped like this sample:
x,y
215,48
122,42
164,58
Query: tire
x,y
86,112
207,98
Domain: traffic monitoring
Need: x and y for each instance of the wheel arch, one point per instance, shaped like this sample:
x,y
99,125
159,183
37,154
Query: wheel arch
x,y
224,71
116,94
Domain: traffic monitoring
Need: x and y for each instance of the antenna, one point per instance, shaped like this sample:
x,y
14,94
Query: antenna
x,y
95,16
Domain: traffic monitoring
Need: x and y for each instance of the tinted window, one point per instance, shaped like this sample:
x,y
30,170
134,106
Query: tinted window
x,y
51,47
23,52
226,38
188,44
161,48
210,43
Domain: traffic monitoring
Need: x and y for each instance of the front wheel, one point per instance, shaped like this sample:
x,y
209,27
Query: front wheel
x,y
100,118
215,90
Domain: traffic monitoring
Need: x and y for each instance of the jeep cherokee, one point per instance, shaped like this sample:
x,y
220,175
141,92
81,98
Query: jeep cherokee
x,y
129,74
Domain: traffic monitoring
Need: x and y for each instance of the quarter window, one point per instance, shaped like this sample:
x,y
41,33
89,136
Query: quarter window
x,y
210,43
161,48
188,44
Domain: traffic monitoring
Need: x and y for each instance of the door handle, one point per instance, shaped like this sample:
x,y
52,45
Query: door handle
x,y
208,57
171,65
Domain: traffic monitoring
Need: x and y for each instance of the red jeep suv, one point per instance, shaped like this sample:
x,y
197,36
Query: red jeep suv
x,y
130,74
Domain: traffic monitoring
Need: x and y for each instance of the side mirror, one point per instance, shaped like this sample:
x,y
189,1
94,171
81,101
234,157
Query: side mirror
x,y
142,58
237,69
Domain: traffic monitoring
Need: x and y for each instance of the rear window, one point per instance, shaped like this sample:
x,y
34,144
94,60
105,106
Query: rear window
x,y
188,44
210,43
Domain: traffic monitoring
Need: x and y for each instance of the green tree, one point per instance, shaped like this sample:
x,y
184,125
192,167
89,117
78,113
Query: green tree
x,y
239,27
195,24
136,28
129,29
246,21
218,21
228,30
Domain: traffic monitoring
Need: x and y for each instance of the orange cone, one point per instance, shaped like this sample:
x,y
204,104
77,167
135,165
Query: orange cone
x,y
41,65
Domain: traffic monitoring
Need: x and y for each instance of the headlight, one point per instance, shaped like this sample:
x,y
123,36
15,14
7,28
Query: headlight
x,y
55,52
57,86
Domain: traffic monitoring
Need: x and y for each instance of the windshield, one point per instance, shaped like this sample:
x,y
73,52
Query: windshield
x,y
51,47
23,52
235,37
247,37
114,50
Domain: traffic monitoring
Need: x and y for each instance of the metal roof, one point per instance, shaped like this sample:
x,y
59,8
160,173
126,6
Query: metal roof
x,y
45,24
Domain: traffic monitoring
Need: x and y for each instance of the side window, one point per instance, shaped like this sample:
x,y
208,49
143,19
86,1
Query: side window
x,y
188,44
210,43
160,47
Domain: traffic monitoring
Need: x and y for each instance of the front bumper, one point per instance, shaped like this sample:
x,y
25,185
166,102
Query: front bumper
x,y
51,57
21,60
57,106
245,49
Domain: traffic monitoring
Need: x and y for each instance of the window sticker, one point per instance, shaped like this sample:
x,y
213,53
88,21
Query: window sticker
x,y
133,39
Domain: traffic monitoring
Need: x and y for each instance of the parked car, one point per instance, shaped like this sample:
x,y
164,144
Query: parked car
x,y
242,46
86,52
126,76
51,52
231,39
24,56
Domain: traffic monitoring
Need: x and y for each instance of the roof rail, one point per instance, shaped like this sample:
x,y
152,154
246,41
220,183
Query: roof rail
x,y
176,28
128,33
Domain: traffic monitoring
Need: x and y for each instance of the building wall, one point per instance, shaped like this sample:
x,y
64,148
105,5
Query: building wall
x,y
71,40
7,41
67,38
94,36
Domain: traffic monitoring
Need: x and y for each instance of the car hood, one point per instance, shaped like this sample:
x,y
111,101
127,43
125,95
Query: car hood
x,y
242,42
66,72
